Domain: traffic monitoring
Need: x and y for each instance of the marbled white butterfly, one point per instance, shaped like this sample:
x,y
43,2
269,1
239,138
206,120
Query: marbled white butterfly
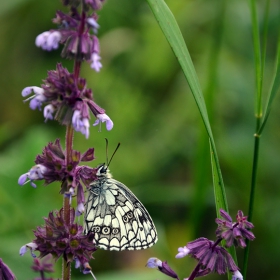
x,y
117,218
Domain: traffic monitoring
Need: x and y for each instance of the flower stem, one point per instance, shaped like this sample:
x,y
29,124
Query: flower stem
x,y
252,195
69,143
66,268
195,271
217,242
259,68
42,275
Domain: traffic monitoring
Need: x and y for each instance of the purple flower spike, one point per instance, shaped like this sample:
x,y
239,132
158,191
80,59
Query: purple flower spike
x,y
67,99
59,238
53,158
48,40
5,272
104,118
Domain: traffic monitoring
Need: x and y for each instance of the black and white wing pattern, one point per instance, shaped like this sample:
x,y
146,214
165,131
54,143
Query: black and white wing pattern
x,y
117,218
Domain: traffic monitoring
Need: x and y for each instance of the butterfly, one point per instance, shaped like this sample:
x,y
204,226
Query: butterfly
x,y
117,218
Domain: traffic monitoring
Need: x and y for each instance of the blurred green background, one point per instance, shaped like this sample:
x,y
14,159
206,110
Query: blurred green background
x,y
164,157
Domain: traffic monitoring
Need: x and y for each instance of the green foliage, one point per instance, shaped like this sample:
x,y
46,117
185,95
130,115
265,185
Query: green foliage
x,y
157,122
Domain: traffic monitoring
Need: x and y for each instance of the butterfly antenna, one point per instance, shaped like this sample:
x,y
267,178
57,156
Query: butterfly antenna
x,y
112,154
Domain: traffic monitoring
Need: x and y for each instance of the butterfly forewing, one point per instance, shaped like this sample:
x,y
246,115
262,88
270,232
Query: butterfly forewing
x,y
117,218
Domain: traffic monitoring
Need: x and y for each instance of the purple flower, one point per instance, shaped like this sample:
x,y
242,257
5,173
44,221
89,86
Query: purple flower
x,y
162,267
93,24
51,166
95,62
211,257
37,99
48,40
69,194
85,267
237,276
95,57
104,118
29,246
48,112
80,200
182,252
95,4
35,173
78,42
61,239
76,31
80,124
234,233
5,272
154,263
43,265
67,99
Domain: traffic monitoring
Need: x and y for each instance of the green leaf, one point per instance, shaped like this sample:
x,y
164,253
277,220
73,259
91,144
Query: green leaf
x,y
174,37
274,89
257,57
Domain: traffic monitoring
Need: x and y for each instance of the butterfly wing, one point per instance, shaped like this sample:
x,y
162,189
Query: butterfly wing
x,y
117,218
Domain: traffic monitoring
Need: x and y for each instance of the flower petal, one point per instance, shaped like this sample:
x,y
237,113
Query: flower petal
x,y
154,263
182,252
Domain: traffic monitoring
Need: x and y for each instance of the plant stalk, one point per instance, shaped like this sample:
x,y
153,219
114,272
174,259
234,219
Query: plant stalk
x,y
66,268
252,194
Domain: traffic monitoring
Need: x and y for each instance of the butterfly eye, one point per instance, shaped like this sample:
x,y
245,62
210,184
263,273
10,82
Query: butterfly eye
x,y
103,169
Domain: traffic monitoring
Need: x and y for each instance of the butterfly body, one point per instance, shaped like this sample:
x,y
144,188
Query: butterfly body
x,y
117,218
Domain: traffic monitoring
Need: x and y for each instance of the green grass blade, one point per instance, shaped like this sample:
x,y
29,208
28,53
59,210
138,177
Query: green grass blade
x,y
257,56
264,40
201,167
174,37
219,196
274,89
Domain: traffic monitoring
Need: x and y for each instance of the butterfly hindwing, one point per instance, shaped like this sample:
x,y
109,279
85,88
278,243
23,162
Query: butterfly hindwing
x,y
117,218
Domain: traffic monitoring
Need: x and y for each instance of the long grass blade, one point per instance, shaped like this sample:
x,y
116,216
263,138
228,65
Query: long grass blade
x,y
174,37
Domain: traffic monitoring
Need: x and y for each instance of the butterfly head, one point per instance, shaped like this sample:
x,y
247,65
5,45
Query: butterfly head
x,y
103,171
